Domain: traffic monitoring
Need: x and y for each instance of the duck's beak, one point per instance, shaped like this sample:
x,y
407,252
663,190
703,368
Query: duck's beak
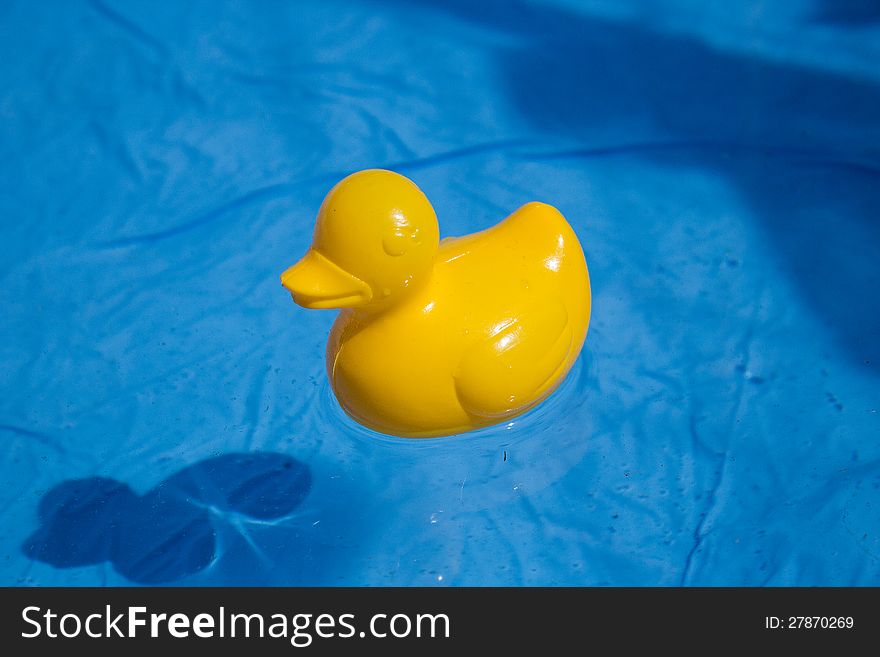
x,y
317,282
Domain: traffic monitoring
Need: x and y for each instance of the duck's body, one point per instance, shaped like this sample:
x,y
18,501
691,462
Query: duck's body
x,y
490,332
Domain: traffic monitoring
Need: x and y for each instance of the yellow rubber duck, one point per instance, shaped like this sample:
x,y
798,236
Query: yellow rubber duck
x,y
441,337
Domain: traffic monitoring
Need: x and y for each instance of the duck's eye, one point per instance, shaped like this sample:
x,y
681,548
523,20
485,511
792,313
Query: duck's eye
x,y
396,242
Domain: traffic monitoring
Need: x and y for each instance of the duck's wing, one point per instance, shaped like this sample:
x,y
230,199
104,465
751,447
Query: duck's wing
x,y
512,368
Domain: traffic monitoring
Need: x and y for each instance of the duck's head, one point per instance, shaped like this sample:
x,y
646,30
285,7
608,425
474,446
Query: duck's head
x,y
375,239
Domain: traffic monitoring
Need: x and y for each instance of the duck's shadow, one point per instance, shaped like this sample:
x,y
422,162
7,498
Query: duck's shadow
x,y
171,531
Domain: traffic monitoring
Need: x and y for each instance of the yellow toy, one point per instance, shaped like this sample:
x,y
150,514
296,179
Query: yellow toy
x,y
441,337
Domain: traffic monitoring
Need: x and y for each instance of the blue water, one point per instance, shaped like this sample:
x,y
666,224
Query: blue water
x,y
165,415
